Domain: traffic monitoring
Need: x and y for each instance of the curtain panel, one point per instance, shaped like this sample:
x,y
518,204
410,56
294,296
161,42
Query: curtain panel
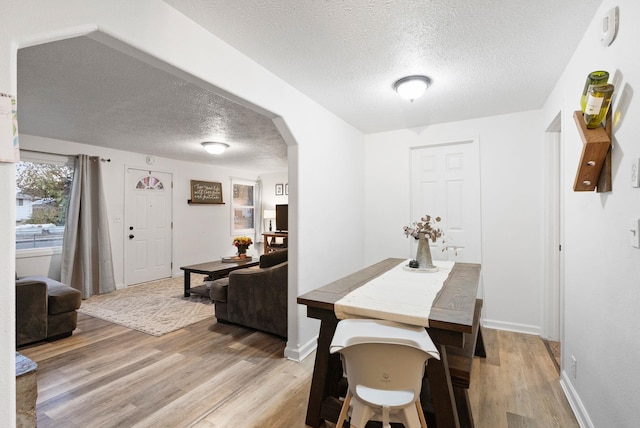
x,y
87,263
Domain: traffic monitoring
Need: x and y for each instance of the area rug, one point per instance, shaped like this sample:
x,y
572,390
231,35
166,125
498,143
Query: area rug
x,y
155,308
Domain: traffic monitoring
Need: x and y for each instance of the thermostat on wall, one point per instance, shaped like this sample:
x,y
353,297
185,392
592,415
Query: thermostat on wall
x,y
609,27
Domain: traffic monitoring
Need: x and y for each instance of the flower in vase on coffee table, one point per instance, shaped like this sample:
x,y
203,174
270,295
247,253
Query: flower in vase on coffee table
x,y
242,243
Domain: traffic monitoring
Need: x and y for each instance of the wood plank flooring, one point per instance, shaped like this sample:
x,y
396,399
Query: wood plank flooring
x,y
215,375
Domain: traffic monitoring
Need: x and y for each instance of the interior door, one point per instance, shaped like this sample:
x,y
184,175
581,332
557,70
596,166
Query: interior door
x,y
148,224
445,182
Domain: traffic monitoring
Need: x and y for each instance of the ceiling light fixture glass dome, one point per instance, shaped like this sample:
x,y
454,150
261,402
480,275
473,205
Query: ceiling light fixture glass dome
x,y
412,87
215,148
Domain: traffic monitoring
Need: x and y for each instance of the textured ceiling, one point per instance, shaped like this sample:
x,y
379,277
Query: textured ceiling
x,y
485,57
84,91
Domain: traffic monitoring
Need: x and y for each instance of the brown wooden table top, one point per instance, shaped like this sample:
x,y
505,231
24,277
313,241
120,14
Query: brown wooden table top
x,y
219,265
452,309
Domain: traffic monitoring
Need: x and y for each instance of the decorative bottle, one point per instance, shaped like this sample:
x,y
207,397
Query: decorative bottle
x,y
595,78
598,101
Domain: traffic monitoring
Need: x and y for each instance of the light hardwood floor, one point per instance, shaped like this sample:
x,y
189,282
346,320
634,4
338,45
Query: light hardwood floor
x,y
216,375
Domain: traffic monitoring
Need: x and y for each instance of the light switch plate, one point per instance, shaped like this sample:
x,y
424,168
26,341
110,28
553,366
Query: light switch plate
x,y
635,232
635,173
609,27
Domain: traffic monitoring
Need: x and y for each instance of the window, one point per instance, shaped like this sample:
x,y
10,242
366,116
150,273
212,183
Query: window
x,y
150,183
43,184
242,207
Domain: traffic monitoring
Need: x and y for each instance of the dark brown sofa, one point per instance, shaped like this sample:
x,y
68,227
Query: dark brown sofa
x,y
255,297
45,309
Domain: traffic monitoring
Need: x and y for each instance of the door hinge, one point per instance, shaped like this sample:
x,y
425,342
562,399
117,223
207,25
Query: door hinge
x,y
560,247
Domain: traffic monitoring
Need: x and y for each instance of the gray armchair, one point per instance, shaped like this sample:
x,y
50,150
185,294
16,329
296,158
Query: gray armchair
x,y
45,309
255,297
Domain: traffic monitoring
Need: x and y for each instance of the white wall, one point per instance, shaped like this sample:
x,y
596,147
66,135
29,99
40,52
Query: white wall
x,y
511,154
201,232
269,197
325,153
602,270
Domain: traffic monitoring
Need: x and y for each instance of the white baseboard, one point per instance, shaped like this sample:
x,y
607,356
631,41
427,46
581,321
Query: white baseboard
x,y
301,352
574,401
508,326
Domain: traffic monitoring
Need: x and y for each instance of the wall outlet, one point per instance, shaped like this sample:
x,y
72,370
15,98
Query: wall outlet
x,y
574,367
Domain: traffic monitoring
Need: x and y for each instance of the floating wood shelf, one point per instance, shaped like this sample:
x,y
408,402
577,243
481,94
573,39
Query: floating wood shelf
x,y
594,169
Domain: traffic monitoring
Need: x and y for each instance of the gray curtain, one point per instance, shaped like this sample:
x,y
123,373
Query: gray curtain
x,y
86,250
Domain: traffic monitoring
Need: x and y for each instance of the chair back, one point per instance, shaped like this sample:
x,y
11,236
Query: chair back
x,y
385,356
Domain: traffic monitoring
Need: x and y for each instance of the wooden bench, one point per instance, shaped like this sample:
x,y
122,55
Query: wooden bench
x,y
460,364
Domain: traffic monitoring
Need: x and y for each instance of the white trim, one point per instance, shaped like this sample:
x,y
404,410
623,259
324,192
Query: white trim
x,y
578,408
249,231
38,252
299,353
551,290
51,158
515,327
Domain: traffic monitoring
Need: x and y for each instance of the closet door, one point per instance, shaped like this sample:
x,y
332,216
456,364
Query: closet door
x,y
445,182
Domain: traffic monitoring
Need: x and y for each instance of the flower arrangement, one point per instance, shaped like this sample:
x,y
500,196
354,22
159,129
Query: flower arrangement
x,y
242,243
424,226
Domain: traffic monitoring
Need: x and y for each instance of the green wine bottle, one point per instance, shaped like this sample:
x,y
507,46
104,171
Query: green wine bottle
x,y
595,78
598,101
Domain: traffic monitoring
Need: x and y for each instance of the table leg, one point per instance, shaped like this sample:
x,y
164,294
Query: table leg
x,y
444,402
323,381
480,350
187,283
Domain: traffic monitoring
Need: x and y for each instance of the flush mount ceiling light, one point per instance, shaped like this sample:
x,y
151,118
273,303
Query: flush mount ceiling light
x,y
215,148
412,87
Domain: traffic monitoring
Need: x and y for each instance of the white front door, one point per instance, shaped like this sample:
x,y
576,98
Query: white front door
x,y
445,182
148,238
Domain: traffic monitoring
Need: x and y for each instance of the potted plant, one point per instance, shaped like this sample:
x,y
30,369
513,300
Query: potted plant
x,y
242,243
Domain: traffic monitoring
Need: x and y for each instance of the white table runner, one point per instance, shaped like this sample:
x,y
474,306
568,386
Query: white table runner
x,y
397,295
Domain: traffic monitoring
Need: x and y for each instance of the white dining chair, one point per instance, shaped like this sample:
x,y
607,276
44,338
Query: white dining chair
x,y
384,363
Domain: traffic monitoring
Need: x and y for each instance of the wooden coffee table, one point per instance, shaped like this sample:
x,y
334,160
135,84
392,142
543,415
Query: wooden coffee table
x,y
215,270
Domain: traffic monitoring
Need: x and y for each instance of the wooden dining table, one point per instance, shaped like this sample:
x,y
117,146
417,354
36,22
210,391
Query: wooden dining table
x,y
451,322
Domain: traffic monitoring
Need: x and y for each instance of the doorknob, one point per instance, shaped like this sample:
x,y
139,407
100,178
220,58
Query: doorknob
x,y
131,236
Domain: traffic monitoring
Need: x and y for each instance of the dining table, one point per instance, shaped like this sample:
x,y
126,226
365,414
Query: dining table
x,y
450,323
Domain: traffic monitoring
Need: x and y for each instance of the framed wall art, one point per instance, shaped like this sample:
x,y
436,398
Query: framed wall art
x,y
206,192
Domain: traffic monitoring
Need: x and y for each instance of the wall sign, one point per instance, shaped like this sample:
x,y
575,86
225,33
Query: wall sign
x,y
206,192
9,148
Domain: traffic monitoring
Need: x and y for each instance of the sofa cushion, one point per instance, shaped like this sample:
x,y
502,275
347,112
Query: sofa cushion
x,y
218,290
273,258
31,311
61,297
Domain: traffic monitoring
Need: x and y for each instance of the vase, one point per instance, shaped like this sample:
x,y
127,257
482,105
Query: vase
x,y
242,252
423,254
